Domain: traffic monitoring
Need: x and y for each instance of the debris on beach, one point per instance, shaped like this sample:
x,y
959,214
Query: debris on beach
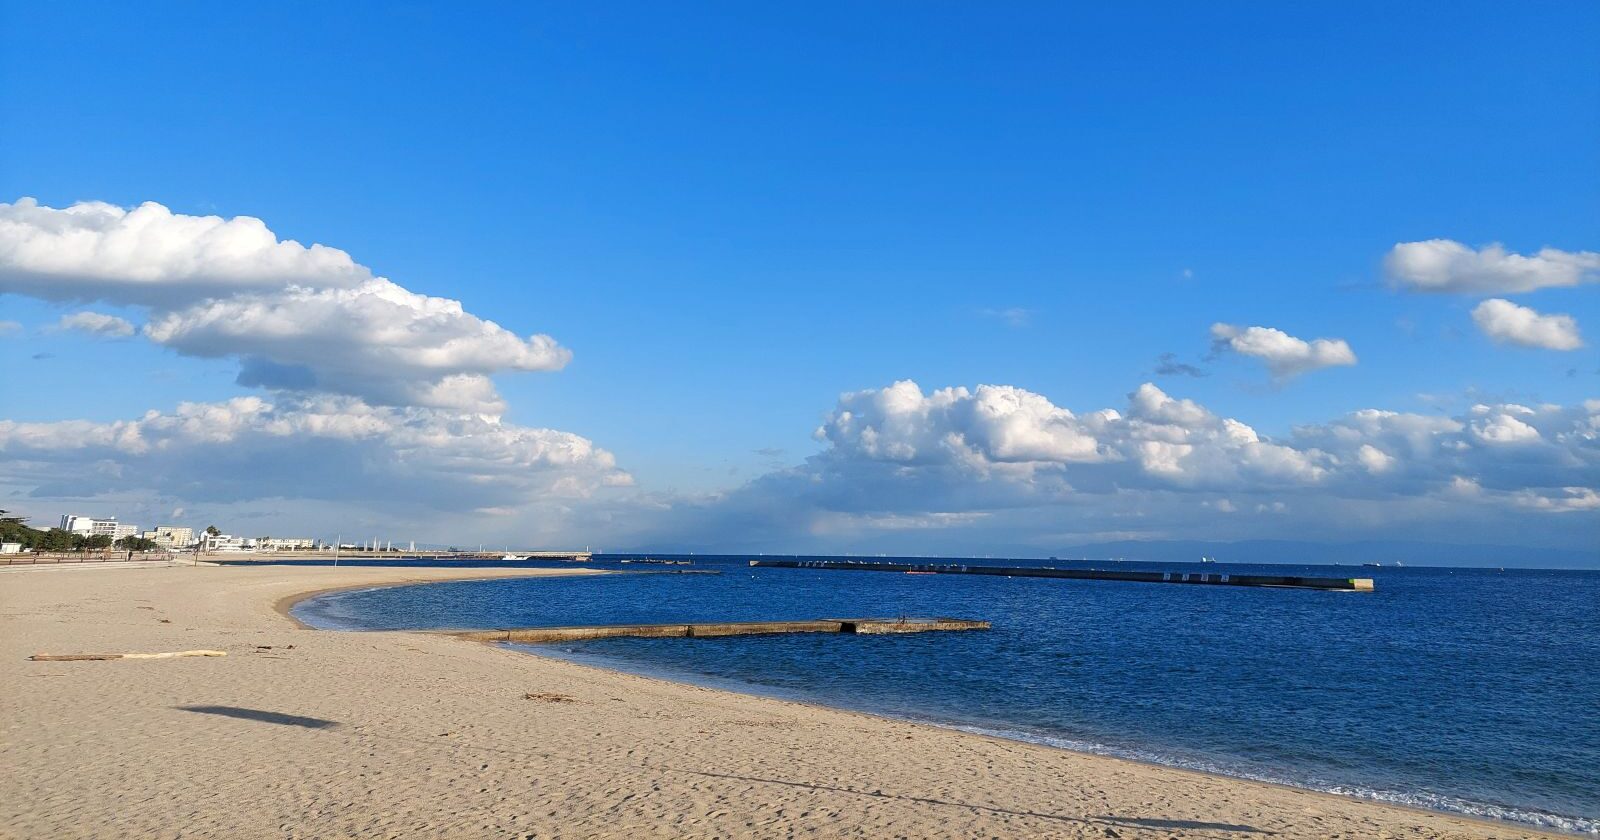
x,y
549,697
86,657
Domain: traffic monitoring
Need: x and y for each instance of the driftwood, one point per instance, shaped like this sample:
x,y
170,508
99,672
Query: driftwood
x,y
84,657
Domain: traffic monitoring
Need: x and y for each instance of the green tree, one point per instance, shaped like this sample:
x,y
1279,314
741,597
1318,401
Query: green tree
x,y
98,541
56,539
213,531
136,544
15,529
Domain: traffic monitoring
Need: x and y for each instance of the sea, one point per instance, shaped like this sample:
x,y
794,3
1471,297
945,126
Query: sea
x,y
1473,691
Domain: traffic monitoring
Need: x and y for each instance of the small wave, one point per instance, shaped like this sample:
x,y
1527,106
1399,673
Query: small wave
x,y
1420,799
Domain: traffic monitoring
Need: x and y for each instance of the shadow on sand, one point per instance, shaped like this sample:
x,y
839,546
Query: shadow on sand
x,y
262,716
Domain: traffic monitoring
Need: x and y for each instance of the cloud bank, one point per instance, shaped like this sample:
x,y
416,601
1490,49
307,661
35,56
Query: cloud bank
x,y
332,448
1000,464
382,397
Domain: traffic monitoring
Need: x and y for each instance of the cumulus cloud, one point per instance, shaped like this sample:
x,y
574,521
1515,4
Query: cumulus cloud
x,y
375,340
1444,265
1284,355
150,255
9,328
1507,323
96,323
899,460
301,319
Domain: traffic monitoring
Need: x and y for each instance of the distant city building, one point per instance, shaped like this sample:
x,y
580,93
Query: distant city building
x,y
171,536
285,544
226,542
89,526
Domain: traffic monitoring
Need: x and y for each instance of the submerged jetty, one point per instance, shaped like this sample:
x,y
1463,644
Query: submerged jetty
x,y
861,626
1203,578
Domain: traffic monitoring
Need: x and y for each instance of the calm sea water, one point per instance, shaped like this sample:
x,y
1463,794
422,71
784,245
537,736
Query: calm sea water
x,y
1476,691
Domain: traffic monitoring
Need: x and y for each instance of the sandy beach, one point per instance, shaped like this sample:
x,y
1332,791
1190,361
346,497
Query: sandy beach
x,y
299,733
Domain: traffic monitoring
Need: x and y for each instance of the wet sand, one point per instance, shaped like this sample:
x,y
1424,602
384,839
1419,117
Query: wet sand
x,y
300,733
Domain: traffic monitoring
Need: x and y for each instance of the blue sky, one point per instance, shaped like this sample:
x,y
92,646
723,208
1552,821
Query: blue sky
x,y
733,214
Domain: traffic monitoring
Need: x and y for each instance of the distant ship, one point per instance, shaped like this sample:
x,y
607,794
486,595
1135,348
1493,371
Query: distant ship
x,y
1373,565
1208,559
510,557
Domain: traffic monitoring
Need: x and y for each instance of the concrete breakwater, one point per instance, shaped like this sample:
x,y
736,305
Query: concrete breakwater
x,y
1203,578
861,626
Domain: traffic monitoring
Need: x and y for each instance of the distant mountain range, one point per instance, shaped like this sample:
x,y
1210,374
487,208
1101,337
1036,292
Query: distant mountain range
x,y
1386,552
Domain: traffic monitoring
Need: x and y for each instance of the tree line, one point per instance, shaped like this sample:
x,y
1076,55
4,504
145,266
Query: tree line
x,y
16,529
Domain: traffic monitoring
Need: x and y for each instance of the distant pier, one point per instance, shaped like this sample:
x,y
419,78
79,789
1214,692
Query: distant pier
x,y
862,626
1201,578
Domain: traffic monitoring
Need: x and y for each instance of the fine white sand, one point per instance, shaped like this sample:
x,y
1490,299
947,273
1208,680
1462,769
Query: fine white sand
x,y
418,735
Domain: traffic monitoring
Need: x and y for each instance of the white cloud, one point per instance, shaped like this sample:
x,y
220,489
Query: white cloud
x,y
1004,433
331,448
96,323
901,459
1562,500
9,328
1284,355
376,340
299,319
383,406
1375,460
1507,323
1444,265
150,255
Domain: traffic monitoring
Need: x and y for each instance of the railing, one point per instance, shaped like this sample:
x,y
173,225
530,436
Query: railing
x,y
44,558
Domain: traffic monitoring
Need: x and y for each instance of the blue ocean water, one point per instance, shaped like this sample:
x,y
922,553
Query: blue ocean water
x,y
1467,690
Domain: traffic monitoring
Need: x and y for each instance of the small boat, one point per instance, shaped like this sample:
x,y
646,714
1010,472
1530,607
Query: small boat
x,y
920,573
1372,565
510,557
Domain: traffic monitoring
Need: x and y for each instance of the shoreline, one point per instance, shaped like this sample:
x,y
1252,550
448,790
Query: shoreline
x,y
731,686
615,752
734,686
285,605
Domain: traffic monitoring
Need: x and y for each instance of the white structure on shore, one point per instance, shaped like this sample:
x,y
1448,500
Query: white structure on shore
x,y
229,542
171,536
91,527
226,542
285,544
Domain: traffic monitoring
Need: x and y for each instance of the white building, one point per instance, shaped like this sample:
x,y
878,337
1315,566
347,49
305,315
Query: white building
x,y
171,536
92,527
10,548
226,542
285,543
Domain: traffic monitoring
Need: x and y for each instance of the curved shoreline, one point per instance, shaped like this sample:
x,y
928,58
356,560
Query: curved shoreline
x,y
285,605
731,685
304,733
